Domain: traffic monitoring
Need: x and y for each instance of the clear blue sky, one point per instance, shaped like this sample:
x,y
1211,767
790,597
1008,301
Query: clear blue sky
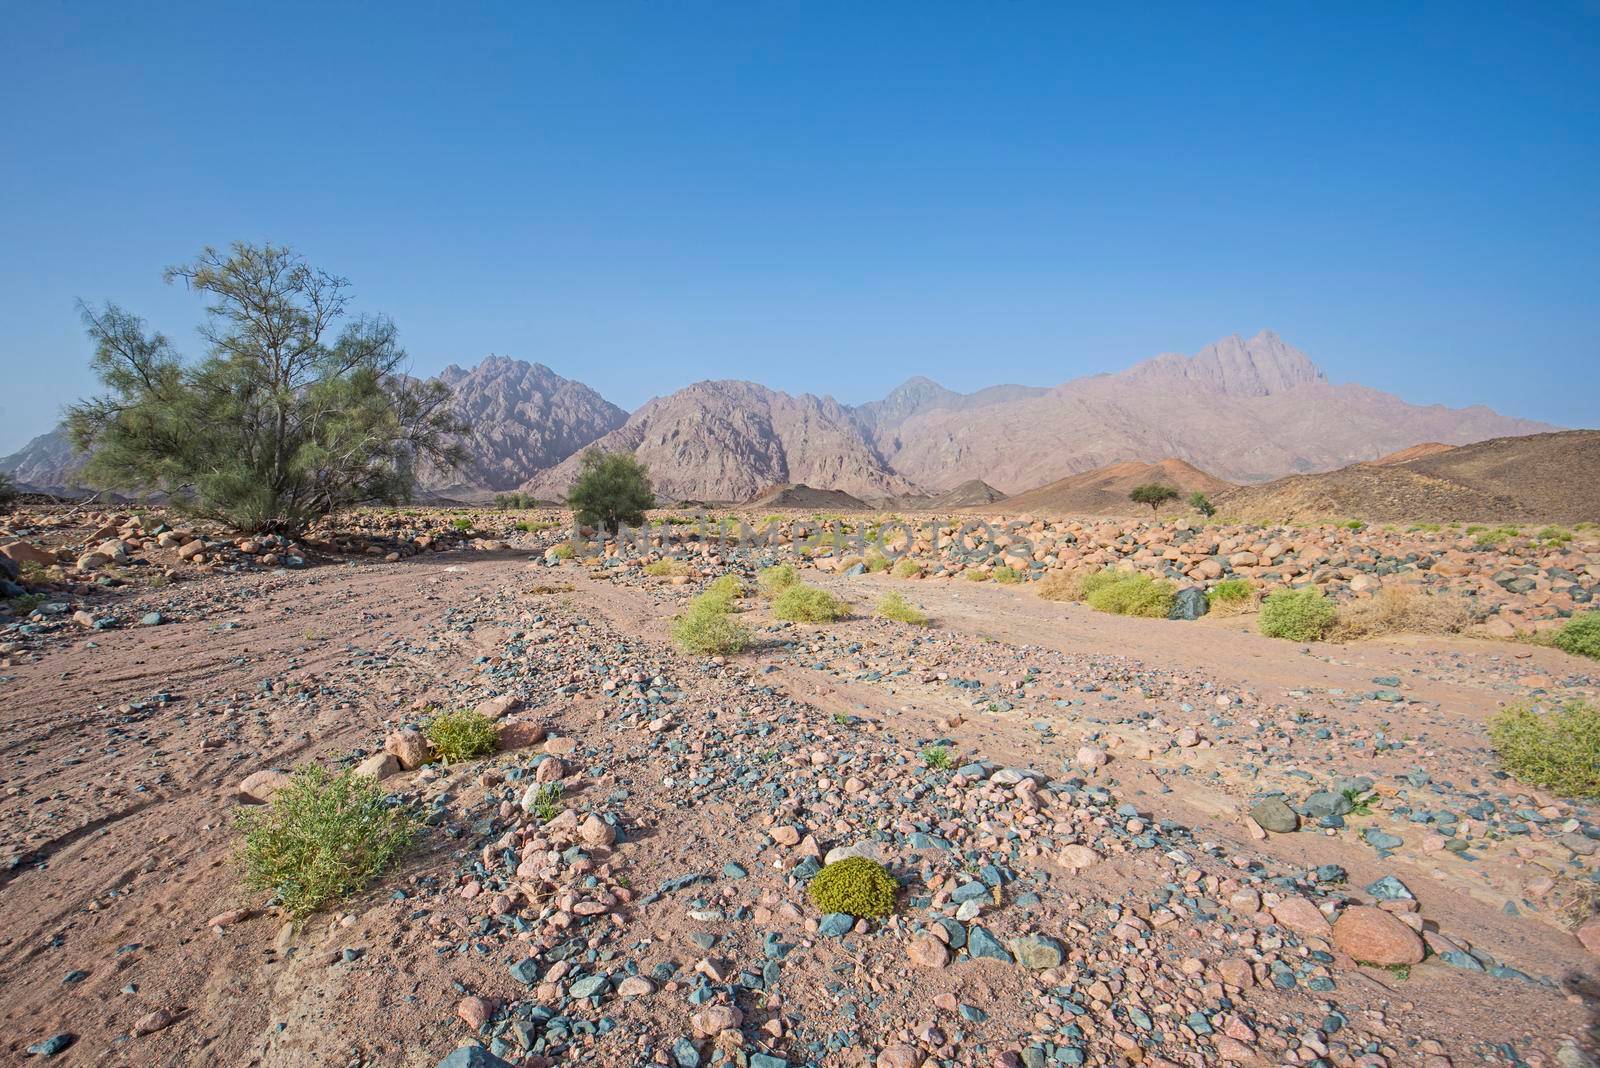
x,y
829,197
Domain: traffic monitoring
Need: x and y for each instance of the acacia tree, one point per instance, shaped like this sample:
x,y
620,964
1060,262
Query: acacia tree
x,y
1154,494
612,488
282,420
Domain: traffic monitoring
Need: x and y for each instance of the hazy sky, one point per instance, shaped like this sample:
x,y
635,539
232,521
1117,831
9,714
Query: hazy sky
x,y
829,197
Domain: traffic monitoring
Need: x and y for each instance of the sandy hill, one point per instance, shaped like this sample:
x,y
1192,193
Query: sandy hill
x,y
1534,478
1104,491
972,493
1415,452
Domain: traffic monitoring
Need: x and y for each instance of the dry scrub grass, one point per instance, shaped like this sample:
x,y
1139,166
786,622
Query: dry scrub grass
x,y
1065,585
1402,610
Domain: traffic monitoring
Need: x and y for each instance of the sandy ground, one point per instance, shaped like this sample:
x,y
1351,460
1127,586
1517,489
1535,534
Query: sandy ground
x,y
121,750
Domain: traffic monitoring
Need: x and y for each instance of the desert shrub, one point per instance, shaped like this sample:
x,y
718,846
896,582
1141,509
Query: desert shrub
x,y
321,838
462,735
1425,528
1579,635
856,886
666,568
1006,575
807,604
1063,585
1130,594
1202,504
875,562
562,550
907,568
774,580
288,417
1402,610
938,758
1154,494
1231,597
728,587
895,607
974,574
546,803
1302,615
515,502
1353,524
1558,750
705,627
461,523
1555,535
612,488
25,604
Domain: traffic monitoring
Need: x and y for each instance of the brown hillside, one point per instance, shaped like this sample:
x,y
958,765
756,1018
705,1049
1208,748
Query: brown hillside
x,y
808,497
1104,491
1539,478
1415,452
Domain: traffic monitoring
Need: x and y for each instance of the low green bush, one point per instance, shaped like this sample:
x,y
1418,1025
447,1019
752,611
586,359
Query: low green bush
x,y
1231,591
1302,615
321,838
1579,635
666,567
729,587
855,886
705,627
1007,575
906,568
774,580
895,607
1558,750
462,735
1129,594
807,604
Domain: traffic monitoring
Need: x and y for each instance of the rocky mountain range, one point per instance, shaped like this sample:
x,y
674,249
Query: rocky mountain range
x,y
1244,410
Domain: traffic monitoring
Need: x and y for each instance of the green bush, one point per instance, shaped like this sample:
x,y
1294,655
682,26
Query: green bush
x,y
895,607
1202,504
1579,635
321,838
705,628
807,604
563,550
1129,594
462,735
666,568
24,605
1007,575
938,757
875,562
461,523
973,574
774,580
1558,750
1302,615
855,886
1231,591
906,568
612,488
728,587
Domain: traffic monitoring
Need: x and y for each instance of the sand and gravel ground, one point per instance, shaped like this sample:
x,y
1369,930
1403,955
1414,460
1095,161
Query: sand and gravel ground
x,y
1180,943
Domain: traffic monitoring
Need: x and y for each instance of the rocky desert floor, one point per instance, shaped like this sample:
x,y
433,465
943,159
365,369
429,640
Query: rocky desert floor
x,y
1085,884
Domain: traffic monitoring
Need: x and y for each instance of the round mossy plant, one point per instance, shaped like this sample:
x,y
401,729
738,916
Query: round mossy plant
x,y
856,886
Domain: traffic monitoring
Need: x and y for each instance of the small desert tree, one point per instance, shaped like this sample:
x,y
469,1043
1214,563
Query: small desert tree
x,y
612,488
8,491
1154,494
283,420
1202,504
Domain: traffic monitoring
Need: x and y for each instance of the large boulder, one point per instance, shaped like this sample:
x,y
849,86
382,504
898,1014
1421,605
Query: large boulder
x,y
1373,936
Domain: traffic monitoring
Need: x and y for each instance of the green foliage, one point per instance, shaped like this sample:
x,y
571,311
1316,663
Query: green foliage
x,y
1353,524
1302,615
562,550
855,886
515,502
906,568
547,801
1426,528
705,627
1006,575
461,523
728,587
25,604
666,568
321,838
612,488
1360,801
1579,635
8,492
875,561
774,580
1231,591
462,735
807,604
1202,504
1554,535
1154,494
938,757
281,421
894,606
974,574
1129,594
1492,537
1558,750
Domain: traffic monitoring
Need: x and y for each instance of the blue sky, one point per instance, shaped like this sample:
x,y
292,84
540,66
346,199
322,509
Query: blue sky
x,y
829,197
